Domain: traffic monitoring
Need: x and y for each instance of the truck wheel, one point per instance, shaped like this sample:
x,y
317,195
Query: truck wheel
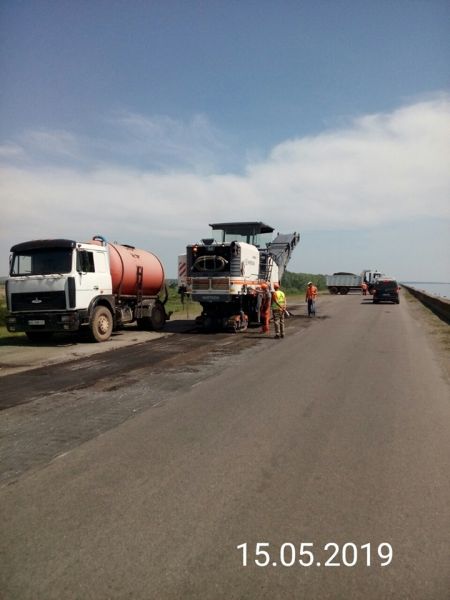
x,y
333,290
344,290
39,336
101,324
158,317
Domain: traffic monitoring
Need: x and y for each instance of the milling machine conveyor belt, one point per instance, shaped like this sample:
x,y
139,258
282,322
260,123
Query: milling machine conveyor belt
x,y
281,249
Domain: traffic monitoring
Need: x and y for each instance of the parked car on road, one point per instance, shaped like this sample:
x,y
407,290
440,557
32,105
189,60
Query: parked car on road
x,y
386,290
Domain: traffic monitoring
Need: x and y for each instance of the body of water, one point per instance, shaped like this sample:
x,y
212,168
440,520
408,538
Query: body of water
x,y
438,289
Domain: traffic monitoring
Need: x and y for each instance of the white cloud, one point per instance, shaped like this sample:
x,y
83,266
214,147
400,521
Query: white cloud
x,y
10,151
157,143
378,169
165,142
51,143
384,167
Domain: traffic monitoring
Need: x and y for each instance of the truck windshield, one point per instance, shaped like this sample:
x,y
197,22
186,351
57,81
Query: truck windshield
x,y
256,239
42,261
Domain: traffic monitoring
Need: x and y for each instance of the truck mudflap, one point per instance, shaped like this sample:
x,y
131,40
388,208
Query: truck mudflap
x,y
45,322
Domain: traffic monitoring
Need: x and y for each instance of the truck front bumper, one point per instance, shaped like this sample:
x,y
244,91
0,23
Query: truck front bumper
x,y
55,321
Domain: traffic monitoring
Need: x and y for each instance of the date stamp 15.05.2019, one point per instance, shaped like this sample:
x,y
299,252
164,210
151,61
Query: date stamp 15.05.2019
x,y
308,554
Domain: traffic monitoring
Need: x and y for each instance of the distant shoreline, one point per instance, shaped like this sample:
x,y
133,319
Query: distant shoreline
x,y
426,282
435,288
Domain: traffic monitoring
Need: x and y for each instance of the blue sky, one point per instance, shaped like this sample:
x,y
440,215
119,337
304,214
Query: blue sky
x,y
145,121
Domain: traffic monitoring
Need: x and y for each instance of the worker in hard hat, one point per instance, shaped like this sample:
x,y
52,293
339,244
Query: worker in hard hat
x,y
310,298
278,310
264,310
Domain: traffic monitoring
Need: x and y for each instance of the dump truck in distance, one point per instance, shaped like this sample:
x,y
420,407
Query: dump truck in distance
x,y
64,285
225,272
342,283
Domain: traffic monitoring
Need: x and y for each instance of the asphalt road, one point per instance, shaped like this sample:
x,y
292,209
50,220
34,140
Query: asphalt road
x,y
338,434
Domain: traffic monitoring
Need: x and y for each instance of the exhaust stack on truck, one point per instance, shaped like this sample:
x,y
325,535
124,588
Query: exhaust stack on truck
x,y
64,285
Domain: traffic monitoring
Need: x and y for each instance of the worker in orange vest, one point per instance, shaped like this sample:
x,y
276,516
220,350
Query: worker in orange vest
x,y
310,298
364,288
264,311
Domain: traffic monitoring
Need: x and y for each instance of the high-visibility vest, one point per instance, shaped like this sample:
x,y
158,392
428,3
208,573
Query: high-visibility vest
x,y
279,300
311,292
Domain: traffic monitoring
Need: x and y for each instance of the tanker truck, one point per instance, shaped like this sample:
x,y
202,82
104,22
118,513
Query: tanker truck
x,y
63,285
224,273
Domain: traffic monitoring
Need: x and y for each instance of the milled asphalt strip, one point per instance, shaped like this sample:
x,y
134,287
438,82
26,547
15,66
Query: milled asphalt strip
x,y
26,386
34,433
23,387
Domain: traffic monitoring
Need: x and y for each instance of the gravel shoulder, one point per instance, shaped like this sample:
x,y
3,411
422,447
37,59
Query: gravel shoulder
x,y
438,331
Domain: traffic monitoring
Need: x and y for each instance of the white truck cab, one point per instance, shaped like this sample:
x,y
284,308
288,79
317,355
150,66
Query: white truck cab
x,y
53,285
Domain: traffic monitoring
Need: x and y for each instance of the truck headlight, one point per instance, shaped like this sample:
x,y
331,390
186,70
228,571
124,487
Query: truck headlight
x,y
11,320
66,318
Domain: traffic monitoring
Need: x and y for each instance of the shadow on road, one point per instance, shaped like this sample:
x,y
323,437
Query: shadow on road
x,y
63,339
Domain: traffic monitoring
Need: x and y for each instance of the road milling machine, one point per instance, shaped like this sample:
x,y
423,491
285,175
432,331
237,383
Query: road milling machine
x,y
226,271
